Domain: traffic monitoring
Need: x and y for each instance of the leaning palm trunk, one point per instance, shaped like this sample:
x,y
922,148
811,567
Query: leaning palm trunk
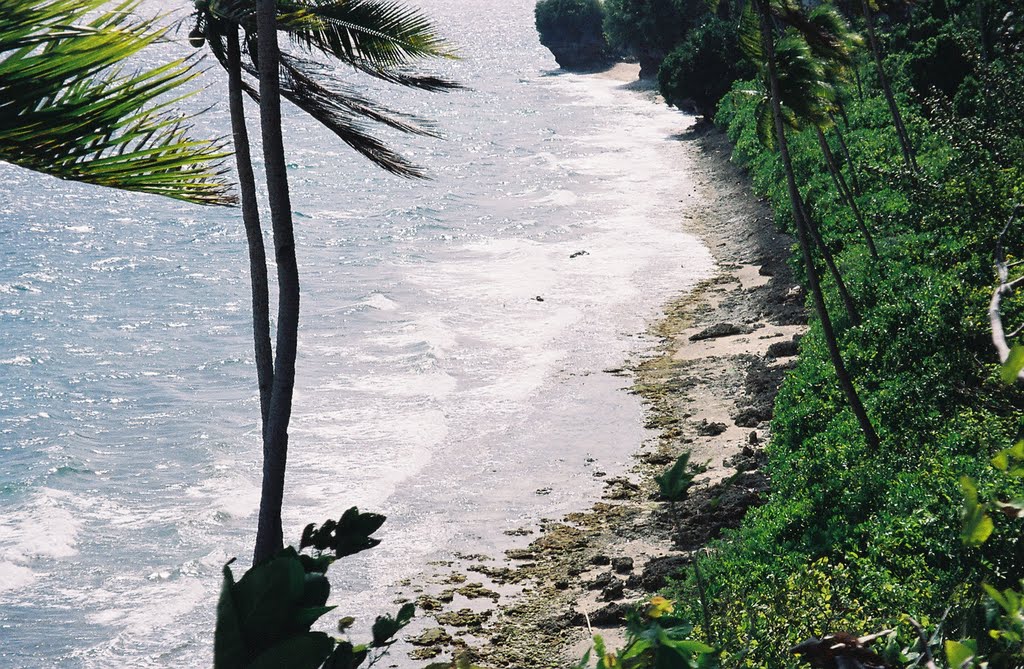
x,y
253,231
269,536
849,159
830,262
844,190
845,382
890,99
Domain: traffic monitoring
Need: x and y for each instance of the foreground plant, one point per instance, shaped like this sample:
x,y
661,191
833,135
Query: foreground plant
x,y
67,110
654,640
264,619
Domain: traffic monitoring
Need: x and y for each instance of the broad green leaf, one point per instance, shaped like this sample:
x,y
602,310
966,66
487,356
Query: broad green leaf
x,y
1013,365
229,649
345,656
303,619
386,627
266,596
306,651
977,525
958,654
315,590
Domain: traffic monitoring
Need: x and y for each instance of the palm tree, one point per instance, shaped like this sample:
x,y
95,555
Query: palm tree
x,y
833,43
867,9
805,94
66,111
374,37
761,45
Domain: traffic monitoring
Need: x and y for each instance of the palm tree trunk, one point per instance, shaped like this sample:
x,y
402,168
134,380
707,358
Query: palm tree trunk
x,y
269,535
812,227
253,231
849,160
890,99
845,381
844,191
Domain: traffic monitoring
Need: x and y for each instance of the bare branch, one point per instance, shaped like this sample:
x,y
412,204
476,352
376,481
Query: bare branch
x,y
1005,287
926,653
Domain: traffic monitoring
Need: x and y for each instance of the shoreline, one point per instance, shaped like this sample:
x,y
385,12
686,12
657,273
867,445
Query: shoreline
x,y
708,387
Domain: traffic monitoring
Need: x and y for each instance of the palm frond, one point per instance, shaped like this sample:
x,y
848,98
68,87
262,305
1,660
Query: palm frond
x,y
381,32
750,35
344,113
831,37
377,37
67,110
803,89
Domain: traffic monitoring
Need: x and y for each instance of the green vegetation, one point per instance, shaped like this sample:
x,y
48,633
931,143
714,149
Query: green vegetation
x,y
889,140
702,68
649,29
572,30
67,111
264,618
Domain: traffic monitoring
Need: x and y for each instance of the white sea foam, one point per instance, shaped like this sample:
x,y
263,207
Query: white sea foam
x,y
14,576
380,302
45,527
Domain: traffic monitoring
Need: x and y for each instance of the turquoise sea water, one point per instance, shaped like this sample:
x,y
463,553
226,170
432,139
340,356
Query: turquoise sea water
x,y
432,385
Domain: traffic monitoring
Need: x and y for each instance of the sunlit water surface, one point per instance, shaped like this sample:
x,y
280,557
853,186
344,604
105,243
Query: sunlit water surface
x,y
433,385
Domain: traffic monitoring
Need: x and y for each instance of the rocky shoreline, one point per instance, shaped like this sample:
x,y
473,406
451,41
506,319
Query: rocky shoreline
x,y
708,387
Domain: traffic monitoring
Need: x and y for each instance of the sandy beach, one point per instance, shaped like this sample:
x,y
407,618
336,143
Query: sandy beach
x,y
708,388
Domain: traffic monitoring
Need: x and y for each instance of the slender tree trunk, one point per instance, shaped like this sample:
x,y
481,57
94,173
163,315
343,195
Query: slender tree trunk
x,y
253,231
830,262
845,381
842,113
269,536
849,160
890,99
844,191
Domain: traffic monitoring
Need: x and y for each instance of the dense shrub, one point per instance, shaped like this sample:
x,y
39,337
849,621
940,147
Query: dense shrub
x,y
851,539
649,29
703,67
572,30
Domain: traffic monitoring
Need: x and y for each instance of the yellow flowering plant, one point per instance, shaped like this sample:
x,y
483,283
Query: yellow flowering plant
x,y
654,640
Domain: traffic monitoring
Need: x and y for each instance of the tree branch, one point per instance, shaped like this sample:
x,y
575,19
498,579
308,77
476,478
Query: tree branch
x,y
1006,287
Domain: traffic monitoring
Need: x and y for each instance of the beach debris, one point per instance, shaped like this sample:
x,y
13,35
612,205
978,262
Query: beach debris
x,y
795,294
464,618
782,349
721,330
622,565
602,581
840,650
539,298
706,429
577,254
615,590
434,636
600,560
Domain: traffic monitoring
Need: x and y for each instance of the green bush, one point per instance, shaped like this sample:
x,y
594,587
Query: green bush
x,y
569,21
703,67
649,29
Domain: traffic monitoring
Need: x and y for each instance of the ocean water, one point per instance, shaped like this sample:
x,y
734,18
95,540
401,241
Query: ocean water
x,y
433,385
